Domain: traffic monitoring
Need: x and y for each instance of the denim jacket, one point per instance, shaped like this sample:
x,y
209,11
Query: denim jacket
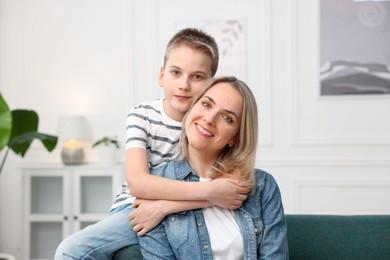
x,y
184,235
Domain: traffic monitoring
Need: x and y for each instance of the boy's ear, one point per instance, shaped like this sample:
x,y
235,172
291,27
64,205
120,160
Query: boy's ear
x,y
161,76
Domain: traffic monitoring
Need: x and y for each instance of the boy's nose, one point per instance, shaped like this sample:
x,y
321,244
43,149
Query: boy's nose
x,y
185,84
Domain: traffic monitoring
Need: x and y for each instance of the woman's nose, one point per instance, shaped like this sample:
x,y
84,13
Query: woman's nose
x,y
209,118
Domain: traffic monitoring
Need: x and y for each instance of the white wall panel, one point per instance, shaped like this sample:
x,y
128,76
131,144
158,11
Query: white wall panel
x,y
319,186
101,57
323,120
61,57
324,196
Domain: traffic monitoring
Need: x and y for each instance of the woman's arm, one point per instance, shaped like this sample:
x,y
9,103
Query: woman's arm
x,y
274,242
225,193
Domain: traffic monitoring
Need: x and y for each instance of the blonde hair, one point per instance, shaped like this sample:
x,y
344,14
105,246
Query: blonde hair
x,y
237,161
196,40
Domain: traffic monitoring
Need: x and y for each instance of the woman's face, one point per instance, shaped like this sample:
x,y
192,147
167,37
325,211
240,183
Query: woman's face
x,y
214,120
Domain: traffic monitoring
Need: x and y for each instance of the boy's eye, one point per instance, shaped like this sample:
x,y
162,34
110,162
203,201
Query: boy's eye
x,y
198,77
175,73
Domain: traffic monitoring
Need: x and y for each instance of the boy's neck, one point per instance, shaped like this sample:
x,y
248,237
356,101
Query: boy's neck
x,y
171,112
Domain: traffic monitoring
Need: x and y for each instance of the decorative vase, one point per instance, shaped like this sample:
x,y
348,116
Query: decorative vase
x,y
107,154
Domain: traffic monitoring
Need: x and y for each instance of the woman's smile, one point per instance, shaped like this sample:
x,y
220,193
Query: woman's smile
x,y
203,131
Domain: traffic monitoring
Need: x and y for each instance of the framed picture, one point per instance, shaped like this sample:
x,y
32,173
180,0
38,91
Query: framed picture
x,y
230,37
354,47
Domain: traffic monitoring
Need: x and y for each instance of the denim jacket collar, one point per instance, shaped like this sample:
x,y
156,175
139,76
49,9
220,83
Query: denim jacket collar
x,y
183,169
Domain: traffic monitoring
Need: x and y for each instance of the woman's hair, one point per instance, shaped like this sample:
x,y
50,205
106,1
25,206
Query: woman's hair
x,y
237,161
197,40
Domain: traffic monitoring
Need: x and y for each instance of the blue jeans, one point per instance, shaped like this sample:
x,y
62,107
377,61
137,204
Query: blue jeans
x,y
100,240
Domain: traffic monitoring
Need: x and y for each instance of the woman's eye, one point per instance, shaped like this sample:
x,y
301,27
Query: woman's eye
x,y
228,118
205,104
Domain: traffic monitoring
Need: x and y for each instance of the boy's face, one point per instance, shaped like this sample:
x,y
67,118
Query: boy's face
x,y
183,77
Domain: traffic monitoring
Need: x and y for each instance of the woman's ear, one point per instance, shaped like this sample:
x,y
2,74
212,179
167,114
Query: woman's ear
x,y
231,143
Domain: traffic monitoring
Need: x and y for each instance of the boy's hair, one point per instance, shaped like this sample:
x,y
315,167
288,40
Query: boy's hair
x,y
237,161
198,40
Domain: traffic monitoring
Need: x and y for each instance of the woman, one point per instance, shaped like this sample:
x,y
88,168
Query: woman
x,y
219,141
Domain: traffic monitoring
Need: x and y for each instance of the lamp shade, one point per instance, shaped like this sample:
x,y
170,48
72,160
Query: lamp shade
x,y
72,127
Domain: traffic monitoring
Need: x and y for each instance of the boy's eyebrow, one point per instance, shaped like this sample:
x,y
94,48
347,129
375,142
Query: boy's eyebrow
x,y
177,67
226,110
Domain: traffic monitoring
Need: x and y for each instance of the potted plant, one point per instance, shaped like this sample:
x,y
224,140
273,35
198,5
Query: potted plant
x,y
18,128
107,148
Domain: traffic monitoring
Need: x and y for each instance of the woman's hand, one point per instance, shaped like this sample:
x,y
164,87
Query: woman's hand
x,y
147,215
227,193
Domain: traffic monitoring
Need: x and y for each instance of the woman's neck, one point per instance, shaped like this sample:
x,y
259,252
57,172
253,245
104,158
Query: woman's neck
x,y
201,162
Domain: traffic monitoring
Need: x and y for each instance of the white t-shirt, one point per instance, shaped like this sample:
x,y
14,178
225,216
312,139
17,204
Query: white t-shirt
x,y
225,236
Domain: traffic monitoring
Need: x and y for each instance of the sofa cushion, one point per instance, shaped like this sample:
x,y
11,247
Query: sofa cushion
x,y
338,237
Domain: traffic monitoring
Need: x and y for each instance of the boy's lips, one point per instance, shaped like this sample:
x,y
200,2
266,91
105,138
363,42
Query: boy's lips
x,y
203,131
182,97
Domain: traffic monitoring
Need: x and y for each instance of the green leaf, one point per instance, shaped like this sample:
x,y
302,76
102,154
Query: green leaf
x,y
23,121
106,141
18,129
21,143
5,123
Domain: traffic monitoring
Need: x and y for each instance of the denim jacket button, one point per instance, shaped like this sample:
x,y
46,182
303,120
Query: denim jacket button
x,y
200,224
173,218
205,247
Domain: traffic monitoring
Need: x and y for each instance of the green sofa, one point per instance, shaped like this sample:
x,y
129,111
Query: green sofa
x,y
337,237
323,237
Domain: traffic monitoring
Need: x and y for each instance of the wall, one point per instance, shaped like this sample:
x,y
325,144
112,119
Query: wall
x,y
98,58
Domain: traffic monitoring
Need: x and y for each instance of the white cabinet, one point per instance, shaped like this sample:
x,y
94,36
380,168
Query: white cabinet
x,y
59,200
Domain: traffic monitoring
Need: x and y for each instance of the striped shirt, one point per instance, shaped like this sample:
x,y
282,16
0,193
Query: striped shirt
x,y
148,127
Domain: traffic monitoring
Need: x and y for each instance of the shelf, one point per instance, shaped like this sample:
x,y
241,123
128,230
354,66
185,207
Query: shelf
x,y
59,200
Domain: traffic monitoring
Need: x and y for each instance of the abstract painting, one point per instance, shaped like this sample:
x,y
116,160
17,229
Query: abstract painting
x,y
355,47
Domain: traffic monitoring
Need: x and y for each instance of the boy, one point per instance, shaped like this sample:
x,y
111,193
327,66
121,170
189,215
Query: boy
x,y
153,131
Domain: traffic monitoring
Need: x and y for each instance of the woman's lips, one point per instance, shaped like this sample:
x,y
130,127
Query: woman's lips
x,y
203,130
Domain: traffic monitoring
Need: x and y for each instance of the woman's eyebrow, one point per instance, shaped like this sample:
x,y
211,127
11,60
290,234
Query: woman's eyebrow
x,y
209,98
226,110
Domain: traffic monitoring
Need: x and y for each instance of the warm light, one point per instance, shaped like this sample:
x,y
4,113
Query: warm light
x,y
72,130
72,144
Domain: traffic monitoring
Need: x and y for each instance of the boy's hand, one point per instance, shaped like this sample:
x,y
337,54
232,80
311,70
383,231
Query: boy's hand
x,y
147,215
227,193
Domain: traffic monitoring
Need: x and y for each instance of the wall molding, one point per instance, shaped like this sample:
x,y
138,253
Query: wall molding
x,y
300,69
343,185
324,162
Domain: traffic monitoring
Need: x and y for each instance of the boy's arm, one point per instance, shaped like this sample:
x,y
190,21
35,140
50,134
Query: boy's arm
x,y
226,193
149,213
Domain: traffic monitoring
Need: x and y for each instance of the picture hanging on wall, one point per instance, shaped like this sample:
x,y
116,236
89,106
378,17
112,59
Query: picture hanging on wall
x,y
229,35
355,47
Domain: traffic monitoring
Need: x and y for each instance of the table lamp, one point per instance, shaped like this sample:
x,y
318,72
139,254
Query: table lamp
x,y
72,130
